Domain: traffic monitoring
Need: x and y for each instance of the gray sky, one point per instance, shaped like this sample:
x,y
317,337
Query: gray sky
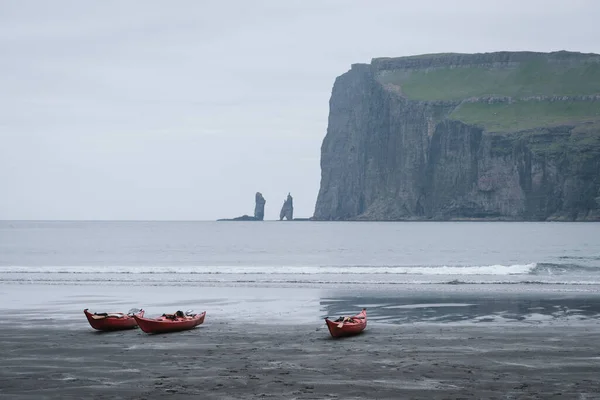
x,y
120,109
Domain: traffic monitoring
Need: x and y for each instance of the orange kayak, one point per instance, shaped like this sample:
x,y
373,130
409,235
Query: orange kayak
x,y
113,321
347,326
170,322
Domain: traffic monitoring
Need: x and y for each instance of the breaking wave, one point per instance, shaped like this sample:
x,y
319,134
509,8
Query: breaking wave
x,y
516,269
496,269
527,274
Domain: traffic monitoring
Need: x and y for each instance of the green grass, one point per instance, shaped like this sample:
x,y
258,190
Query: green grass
x,y
581,143
523,115
533,78
580,147
586,142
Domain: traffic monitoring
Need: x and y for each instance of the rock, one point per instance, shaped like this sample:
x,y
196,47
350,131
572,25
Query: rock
x,y
244,217
259,211
287,211
438,148
259,208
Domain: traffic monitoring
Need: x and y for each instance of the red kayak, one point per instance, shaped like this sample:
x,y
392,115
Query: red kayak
x,y
347,326
113,321
170,322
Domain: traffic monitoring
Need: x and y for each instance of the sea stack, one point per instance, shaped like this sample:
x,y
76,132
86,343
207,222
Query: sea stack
x,y
259,211
259,208
287,210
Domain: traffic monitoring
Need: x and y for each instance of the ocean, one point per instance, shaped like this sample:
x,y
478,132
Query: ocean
x,y
402,271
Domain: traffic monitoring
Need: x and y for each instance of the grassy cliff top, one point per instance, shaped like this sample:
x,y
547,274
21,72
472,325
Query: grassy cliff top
x,y
495,59
519,76
524,115
532,78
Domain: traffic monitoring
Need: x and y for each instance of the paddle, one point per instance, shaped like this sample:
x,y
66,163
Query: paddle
x,y
342,323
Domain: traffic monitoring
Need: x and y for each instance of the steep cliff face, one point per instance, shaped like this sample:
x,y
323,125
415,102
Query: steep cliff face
x,y
452,136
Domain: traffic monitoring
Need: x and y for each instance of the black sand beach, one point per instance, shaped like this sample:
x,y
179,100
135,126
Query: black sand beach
x,y
455,310
230,360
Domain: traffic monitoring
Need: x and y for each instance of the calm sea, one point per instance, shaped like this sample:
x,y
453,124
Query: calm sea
x,y
403,272
300,252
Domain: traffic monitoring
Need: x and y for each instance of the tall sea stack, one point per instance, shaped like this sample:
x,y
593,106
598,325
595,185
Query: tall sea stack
x,y
259,211
506,135
259,207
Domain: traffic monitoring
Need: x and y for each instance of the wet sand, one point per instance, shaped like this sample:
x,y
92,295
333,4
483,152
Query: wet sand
x,y
227,360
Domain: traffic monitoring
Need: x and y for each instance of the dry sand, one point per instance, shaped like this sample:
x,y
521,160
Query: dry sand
x,y
221,360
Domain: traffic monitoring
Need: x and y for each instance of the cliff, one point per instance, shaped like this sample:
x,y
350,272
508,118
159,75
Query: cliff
x,y
507,135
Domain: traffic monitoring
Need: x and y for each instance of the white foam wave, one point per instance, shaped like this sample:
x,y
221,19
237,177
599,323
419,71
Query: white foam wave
x,y
516,269
102,280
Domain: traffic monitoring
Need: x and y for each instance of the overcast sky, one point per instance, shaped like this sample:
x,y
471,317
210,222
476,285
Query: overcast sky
x,y
183,110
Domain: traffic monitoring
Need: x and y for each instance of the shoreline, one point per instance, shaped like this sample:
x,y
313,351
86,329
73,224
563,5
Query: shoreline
x,y
495,305
309,303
